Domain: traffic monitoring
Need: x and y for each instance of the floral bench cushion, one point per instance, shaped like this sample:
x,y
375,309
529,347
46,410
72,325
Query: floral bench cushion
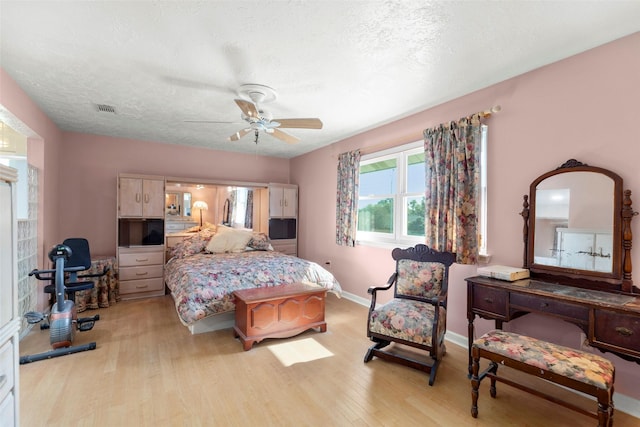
x,y
567,362
407,319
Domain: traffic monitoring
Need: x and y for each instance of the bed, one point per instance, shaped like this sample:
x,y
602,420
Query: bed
x,y
202,274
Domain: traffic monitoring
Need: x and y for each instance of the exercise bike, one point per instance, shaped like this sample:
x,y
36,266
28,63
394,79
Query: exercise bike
x,y
63,319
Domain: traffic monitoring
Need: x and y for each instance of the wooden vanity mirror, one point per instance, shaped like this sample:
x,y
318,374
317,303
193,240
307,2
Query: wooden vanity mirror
x,y
577,228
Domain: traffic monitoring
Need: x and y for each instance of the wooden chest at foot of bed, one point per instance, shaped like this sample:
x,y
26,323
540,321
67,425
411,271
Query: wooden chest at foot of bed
x,y
278,312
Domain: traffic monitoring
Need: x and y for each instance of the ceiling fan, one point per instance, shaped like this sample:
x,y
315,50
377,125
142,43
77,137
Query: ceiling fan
x,y
259,120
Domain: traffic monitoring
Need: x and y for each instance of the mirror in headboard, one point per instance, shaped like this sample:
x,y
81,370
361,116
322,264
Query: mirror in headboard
x,y
577,228
235,204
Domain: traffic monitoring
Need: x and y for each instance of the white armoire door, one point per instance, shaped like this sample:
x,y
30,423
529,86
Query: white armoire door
x,y
9,320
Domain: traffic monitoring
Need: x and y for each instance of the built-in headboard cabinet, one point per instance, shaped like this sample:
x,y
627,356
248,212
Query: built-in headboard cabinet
x,y
283,218
141,235
147,226
9,319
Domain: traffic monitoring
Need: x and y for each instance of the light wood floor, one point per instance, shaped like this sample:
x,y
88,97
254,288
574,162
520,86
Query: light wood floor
x,y
149,371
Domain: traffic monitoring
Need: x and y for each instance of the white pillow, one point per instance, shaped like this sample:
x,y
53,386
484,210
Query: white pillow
x,y
229,240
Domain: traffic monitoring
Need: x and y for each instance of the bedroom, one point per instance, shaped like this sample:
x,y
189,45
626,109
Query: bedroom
x,y
582,107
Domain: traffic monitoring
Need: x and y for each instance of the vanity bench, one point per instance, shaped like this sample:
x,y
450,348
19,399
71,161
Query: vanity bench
x,y
578,370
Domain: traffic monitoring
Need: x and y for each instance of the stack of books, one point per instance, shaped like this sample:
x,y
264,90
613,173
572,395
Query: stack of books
x,y
504,272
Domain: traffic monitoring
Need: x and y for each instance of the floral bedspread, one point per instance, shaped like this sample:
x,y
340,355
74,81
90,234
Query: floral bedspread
x,y
202,284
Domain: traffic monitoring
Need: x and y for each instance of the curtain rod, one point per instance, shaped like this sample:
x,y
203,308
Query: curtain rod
x,y
493,110
386,145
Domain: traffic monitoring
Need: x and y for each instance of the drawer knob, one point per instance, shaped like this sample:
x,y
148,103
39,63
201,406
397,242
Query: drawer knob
x,y
142,260
141,286
624,331
488,300
544,304
142,274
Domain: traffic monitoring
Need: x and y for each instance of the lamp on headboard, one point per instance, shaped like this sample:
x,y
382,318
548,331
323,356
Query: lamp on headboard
x,y
199,204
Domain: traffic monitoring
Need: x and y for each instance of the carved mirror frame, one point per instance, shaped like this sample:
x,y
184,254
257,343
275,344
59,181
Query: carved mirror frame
x,y
619,279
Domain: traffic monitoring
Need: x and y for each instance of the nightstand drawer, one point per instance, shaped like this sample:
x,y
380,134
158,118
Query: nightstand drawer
x,y
142,272
287,247
141,286
142,258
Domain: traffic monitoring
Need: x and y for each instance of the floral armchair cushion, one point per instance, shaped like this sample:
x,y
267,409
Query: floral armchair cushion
x,y
568,362
409,320
419,278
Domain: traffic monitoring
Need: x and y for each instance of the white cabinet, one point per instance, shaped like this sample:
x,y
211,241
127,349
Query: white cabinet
x,y
140,196
9,320
141,235
283,213
141,271
283,201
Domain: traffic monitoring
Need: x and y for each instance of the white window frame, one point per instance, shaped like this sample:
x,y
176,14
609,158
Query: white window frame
x,y
399,236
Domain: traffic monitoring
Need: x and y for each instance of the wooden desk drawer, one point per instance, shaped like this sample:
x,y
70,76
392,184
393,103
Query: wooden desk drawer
x,y
490,300
617,329
142,258
538,304
143,272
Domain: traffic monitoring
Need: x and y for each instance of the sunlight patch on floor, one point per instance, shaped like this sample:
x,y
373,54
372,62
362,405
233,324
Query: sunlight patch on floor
x,y
300,351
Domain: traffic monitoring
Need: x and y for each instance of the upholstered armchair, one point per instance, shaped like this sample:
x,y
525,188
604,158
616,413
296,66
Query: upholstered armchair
x,y
417,314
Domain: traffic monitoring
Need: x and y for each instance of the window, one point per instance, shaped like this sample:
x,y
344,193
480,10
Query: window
x,y
391,196
391,204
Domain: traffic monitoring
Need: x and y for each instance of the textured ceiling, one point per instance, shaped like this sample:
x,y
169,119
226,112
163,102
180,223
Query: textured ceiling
x,y
354,64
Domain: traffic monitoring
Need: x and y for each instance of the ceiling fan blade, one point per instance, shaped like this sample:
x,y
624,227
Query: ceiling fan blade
x,y
300,123
248,108
236,136
211,121
289,139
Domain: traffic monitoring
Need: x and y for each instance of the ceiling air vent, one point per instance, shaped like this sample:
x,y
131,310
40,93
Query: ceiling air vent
x,y
104,108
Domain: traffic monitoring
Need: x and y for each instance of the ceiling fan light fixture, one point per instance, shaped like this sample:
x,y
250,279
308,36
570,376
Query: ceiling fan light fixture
x,y
259,94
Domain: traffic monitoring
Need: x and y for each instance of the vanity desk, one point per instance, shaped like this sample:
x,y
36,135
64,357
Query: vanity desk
x,y
584,280
577,248
610,321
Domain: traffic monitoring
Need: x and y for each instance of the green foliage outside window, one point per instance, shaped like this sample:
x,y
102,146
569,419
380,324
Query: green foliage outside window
x,y
415,217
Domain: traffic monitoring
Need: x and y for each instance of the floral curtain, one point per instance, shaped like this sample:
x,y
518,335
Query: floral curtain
x,y
452,165
248,214
347,198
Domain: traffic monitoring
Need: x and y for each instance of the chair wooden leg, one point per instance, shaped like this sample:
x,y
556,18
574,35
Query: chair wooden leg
x,y
434,371
378,345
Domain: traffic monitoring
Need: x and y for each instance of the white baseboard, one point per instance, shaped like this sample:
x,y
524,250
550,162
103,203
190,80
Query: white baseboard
x,y
622,403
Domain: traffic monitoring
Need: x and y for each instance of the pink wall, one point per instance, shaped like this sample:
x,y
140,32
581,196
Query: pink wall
x,y
584,107
89,166
43,153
